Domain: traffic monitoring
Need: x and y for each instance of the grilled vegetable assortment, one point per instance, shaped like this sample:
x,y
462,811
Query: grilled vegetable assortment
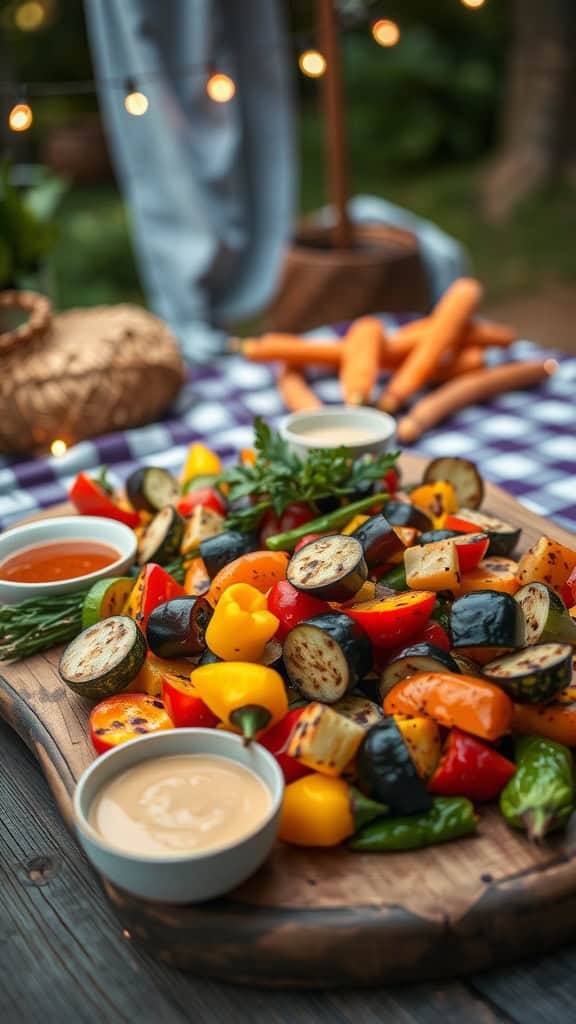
x,y
382,649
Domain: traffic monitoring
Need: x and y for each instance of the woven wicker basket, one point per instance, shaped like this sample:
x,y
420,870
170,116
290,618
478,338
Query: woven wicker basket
x,y
82,373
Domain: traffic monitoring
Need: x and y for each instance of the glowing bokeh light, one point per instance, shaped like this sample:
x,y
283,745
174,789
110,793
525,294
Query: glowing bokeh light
x,y
20,117
312,63
220,87
58,447
136,103
29,16
386,32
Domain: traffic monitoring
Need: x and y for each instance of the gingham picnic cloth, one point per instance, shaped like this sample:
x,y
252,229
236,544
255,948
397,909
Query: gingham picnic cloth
x,y
525,440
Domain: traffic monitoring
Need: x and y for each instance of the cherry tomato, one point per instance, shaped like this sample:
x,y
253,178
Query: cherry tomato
x,y
184,705
126,717
207,497
391,621
306,540
295,515
291,606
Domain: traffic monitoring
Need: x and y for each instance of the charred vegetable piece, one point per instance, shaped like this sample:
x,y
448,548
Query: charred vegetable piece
x,y
437,500
468,767
217,551
450,817
555,720
177,628
324,740
153,586
470,549
473,705
433,567
494,573
105,598
151,488
433,536
126,717
103,659
533,675
540,796
547,618
423,739
487,618
462,474
379,540
325,657
386,771
503,536
393,620
547,561
331,568
203,524
402,513
466,665
161,540
394,579
418,658
360,710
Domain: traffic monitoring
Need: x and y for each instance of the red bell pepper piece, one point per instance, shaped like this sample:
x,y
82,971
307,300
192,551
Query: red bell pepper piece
x,y
276,740
393,621
183,704
295,515
470,550
570,588
153,586
468,767
91,499
207,497
306,540
433,633
291,606
454,522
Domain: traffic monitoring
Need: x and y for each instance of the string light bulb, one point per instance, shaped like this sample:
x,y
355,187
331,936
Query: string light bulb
x,y
220,87
58,447
473,5
312,63
386,32
136,103
20,117
29,16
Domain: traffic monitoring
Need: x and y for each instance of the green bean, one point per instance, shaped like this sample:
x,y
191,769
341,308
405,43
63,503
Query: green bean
x,y
330,521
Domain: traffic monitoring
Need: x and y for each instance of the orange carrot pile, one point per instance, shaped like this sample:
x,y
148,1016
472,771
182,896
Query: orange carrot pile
x,y
447,325
298,397
360,363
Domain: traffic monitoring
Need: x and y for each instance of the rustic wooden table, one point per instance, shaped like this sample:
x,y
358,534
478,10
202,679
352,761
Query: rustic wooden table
x,y
64,958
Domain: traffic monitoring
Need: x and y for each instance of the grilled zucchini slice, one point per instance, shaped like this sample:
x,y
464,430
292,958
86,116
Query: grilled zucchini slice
x,y
103,659
533,675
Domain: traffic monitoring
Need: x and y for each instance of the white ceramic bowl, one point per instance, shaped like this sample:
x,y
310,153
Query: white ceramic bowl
x,y
194,877
380,425
46,531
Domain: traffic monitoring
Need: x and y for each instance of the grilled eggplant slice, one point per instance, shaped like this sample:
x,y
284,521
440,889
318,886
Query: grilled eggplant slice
x,y
462,474
503,536
326,656
402,513
379,541
151,488
359,709
487,619
332,568
162,538
466,665
386,771
547,617
324,740
533,675
433,536
177,628
103,659
418,658
218,551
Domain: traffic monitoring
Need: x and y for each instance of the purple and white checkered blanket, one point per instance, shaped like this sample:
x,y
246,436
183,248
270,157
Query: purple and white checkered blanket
x,y
524,441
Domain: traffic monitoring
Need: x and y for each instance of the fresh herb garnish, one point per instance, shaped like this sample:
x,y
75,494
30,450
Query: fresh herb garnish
x,y
279,477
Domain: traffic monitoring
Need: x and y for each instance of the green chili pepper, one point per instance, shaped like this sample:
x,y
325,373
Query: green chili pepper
x,y
395,578
449,818
331,521
540,795
441,613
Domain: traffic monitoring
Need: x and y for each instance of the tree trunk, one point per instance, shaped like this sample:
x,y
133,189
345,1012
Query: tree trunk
x,y
537,127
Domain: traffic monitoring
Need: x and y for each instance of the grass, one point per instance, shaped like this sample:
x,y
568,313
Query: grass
x,y
94,262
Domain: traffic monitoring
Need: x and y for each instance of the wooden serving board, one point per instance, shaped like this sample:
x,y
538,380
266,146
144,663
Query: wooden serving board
x,y
324,918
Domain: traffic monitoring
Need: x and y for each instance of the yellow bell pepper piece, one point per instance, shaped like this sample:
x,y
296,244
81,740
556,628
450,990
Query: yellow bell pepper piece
x,y
438,500
320,810
154,670
200,461
241,625
250,697
424,742
354,523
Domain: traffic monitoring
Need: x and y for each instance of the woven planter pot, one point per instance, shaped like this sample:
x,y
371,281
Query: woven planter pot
x,y
323,285
87,372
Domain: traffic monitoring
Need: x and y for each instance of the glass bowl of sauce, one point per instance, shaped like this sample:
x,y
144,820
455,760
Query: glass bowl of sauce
x,y
364,431
62,554
180,816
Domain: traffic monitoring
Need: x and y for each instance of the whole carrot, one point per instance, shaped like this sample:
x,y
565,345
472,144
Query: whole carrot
x,y
485,333
291,349
447,324
293,388
470,389
466,361
361,350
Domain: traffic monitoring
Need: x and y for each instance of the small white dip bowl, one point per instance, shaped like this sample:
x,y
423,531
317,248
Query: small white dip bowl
x,y
60,528
193,877
379,425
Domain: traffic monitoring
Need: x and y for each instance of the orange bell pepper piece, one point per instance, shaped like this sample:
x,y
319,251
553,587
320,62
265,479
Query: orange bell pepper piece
x,y
556,721
470,704
261,569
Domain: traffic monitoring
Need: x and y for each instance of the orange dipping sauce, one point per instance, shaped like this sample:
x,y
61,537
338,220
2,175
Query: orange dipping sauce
x,y
58,560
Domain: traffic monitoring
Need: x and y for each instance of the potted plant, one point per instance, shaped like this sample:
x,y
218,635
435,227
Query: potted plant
x,y
27,228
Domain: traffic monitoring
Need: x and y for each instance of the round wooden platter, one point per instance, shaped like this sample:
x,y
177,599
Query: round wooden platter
x,y
324,918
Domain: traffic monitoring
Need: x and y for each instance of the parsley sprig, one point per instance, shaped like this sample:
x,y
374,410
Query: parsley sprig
x,y
279,477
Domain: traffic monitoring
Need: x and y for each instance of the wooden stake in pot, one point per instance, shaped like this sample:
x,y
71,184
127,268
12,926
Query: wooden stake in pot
x,y
336,162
